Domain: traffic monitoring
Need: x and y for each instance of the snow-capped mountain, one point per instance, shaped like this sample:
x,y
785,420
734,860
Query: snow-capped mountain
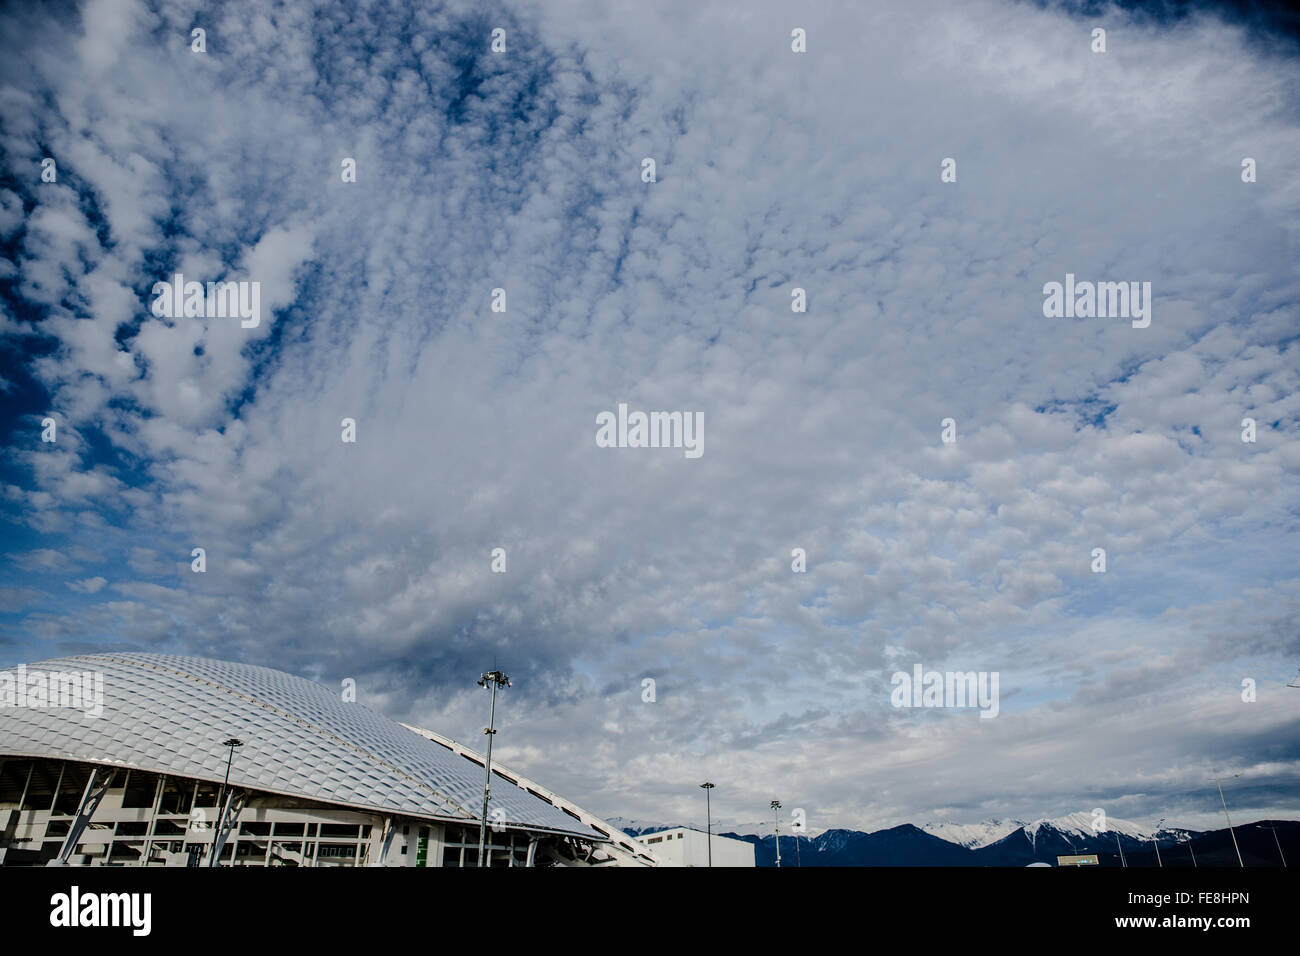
x,y
1082,823
973,835
763,828
637,827
1073,834
1071,827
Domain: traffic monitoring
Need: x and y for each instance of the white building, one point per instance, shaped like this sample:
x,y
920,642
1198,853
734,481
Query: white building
x,y
684,846
134,774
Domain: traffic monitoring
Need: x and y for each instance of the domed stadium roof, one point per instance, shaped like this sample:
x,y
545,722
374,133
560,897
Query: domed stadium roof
x,y
169,714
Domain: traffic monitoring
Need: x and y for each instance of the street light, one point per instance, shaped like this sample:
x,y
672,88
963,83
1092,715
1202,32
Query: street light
x,y
708,811
496,679
232,743
1225,813
1159,862
776,817
1279,844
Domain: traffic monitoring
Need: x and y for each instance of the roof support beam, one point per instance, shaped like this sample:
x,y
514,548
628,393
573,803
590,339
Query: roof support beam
x,y
381,858
235,800
96,787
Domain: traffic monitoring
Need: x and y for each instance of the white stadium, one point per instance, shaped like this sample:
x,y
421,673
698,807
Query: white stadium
x,y
122,760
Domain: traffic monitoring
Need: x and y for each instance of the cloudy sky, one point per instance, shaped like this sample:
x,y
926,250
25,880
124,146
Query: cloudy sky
x,y
476,429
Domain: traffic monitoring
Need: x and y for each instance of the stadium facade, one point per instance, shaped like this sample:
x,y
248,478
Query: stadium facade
x,y
122,760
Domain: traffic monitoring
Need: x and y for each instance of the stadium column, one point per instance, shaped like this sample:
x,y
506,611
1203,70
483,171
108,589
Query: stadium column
x,y
96,787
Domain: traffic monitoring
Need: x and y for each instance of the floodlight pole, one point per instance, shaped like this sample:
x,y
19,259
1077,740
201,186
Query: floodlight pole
x,y
708,812
1225,813
776,818
1159,862
1279,845
496,679
232,743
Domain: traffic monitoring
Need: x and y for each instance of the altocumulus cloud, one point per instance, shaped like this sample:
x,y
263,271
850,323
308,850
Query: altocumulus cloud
x,y
475,429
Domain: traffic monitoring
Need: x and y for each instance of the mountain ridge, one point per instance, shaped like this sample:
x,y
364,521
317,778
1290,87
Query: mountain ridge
x,y
1122,843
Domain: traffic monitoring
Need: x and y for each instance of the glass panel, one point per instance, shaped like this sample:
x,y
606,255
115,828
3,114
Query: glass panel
x,y
177,796
40,791
125,853
13,777
336,851
251,851
140,790
71,789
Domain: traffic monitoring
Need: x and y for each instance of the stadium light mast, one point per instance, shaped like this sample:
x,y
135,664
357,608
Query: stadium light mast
x,y
776,818
495,679
708,813
1225,813
232,743
1159,862
1278,842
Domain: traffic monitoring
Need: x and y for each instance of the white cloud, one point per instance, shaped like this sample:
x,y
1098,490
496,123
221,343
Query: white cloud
x,y
476,429
88,585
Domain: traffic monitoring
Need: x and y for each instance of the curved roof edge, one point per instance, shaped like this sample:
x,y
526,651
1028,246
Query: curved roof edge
x,y
621,846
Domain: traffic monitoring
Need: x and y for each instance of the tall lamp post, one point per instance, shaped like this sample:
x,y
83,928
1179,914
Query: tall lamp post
x,y
1225,813
708,812
1279,845
232,743
495,679
776,818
